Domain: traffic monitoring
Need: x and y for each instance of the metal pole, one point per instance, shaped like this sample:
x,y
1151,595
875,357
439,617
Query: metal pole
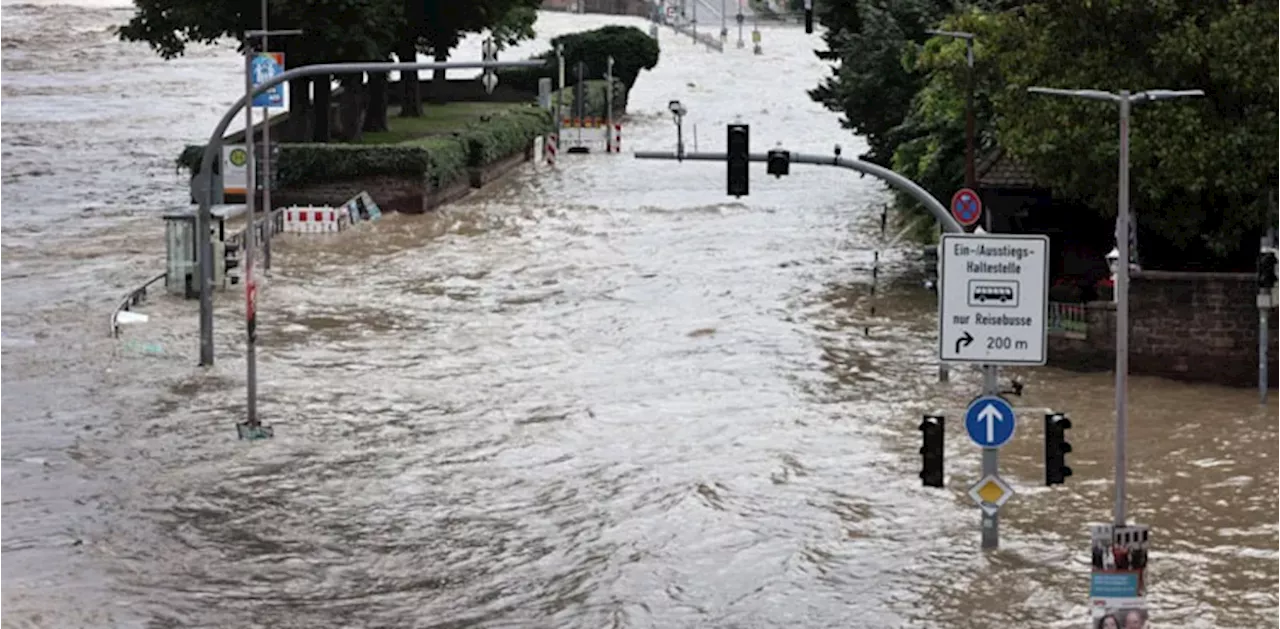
x,y
559,92
990,463
1264,306
1122,312
608,106
266,153
1263,382
724,24
251,356
970,166
695,21
935,207
680,136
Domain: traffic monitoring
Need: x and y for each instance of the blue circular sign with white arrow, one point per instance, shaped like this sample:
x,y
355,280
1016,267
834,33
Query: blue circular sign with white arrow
x,y
989,421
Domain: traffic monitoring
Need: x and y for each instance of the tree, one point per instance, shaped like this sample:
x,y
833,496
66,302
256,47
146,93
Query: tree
x,y
333,30
871,45
436,27
1202,170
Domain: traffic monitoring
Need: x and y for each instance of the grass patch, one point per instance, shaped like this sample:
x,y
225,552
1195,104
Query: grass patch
x,y
435,120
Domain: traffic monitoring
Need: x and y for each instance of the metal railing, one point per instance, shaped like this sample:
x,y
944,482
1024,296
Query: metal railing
x,y
1068,318
134,298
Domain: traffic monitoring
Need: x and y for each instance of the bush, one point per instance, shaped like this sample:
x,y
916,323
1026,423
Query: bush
x,y
502,134
301,164
632,50
442,158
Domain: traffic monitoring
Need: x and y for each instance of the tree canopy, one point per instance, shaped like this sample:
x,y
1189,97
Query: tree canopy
x,y
1203,171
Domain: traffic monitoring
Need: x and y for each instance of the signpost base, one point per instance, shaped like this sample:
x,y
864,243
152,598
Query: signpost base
x,y
254,432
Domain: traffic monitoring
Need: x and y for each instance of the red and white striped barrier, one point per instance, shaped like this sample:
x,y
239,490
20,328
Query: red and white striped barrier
x,y
616,145
310,220
549,147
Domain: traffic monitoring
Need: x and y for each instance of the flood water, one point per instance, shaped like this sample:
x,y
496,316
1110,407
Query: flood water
x,y
600,395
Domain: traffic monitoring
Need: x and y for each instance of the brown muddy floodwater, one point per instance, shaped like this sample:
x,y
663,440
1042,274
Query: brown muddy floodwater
x,y
600,396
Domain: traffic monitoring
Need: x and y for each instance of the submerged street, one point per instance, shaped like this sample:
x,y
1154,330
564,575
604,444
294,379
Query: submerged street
x,y
599,395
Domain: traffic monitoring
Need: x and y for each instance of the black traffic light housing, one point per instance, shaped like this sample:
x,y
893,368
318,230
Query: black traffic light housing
x,y
934,429
1266,270
779,163
808,16
739,159
1056,448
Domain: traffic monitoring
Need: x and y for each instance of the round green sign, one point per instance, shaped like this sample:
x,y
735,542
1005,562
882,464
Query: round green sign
x,y
238,157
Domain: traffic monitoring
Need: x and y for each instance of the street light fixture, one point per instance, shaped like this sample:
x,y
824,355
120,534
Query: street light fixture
x,y
1125,100
677,113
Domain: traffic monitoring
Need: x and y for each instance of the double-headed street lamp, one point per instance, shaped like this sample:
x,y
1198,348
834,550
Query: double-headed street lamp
x,y
1126,100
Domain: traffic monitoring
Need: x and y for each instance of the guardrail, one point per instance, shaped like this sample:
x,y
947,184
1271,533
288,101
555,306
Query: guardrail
x,y
1068,318
134,297
710,41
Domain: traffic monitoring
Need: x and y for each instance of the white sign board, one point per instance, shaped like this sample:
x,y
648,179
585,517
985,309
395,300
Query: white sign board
x,y
235,169
993,299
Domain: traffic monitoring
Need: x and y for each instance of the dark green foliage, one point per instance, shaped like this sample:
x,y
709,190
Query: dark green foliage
x,y
503,134
1202,170
442,158
632,50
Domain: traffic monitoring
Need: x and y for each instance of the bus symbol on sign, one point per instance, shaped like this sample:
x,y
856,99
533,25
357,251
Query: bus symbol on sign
x,y
1003,293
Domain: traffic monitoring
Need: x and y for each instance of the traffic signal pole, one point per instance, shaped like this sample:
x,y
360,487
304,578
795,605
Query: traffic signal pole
x,y
911,188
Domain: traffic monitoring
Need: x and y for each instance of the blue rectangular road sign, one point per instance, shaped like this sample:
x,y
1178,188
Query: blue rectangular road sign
x,y
265,66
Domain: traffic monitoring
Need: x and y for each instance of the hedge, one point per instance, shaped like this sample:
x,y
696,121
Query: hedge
x,y
442,158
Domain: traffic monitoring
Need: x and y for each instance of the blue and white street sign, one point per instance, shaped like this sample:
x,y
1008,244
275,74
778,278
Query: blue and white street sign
x,y
266,66
989,421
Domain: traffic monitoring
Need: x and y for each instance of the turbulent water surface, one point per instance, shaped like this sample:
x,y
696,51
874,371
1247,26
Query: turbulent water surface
x,y
598,395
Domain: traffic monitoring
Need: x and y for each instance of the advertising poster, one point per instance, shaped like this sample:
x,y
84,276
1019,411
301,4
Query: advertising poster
x,y
1117,582
264,67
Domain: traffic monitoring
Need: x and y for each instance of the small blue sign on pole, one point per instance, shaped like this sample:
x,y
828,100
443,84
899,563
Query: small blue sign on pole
x,y
989,421
266,66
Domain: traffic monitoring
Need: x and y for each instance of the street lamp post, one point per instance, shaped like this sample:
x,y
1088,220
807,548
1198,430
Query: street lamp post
x,y
1126,100
970,168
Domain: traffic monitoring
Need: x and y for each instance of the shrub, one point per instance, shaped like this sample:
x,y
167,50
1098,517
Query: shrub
x,y
301,164
503,134
632,50
442,158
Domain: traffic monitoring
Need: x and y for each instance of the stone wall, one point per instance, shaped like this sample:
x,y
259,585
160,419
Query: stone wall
x,y
1188,326
410,195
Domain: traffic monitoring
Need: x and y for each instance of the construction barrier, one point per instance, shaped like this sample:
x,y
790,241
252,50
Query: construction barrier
x,y
549,147
589,122
310,220
616,146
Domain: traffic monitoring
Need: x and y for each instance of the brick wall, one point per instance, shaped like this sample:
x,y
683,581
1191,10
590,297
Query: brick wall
x,y
1189,326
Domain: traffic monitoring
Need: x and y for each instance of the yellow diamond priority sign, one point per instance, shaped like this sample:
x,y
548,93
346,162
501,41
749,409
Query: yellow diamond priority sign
x,y
991,493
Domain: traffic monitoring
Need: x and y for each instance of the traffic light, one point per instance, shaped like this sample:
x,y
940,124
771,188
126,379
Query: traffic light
x,y
1266,269
808,16
1056,448
933,428
779,162
739,159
